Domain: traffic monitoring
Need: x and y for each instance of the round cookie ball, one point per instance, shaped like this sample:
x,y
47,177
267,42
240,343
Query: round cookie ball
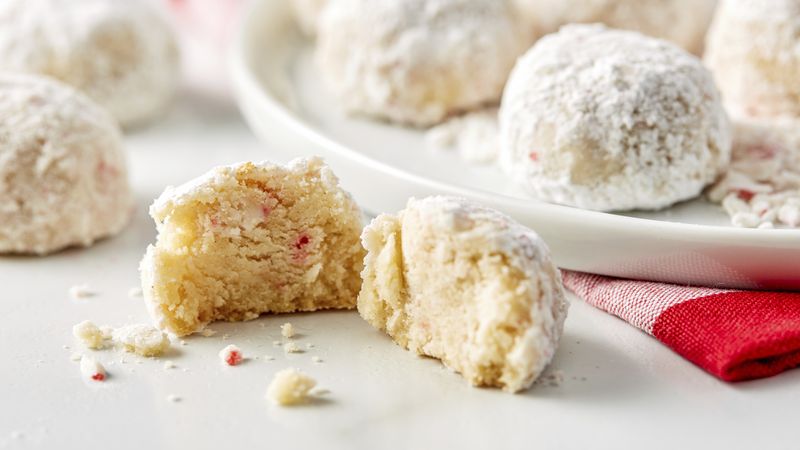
x,y
120,53
612,120
450,279
754,52
63,177
683,22
307,13
416,62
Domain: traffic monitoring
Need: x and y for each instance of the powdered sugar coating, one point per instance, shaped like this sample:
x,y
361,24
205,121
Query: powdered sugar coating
x,y
417,61
450,279
683,22
612,120
754,52
307,13
62,168
120,53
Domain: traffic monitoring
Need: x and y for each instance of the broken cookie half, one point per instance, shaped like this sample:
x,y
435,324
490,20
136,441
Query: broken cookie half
x,y
249,239
449,279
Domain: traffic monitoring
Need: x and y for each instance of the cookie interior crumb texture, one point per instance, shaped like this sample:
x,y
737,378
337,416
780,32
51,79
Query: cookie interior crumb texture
x,y
249,239
290,387
142,339
89,335
452,280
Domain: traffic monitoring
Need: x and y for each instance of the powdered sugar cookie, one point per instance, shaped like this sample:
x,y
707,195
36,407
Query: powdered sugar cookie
x,y
417,61
63,176
120,53
683,22
307,13
754,53
612,120
249,239
452,280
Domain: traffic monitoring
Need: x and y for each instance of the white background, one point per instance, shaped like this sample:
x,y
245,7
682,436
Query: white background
x,y
621,388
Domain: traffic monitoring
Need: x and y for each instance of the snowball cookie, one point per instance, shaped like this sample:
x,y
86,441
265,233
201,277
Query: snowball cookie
x,y
452,280
612,120
63,176
249,239
417,61
306,14
120,53
754,53
683,22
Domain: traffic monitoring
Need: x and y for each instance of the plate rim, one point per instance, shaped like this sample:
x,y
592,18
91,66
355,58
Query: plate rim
x,y
247,84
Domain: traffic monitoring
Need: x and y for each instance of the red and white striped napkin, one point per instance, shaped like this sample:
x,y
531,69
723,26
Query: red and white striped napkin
x,y
734,335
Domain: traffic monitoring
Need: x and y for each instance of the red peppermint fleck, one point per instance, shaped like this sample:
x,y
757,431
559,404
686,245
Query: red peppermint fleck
x,y
266,211
762,151
533,156
300,244
105,170
233,358
302,241
745,195
99,377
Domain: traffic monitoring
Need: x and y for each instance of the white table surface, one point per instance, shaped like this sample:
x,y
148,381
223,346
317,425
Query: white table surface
x,y
621,388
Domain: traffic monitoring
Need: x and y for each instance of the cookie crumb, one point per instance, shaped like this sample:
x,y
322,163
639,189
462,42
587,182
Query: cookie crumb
x,y
290,387
231,355
169,365
89,334
76,356
316,359
277,343
92,369
287,330
80,291
208,332
142,339
291,347
268,357
309,345
135,292
172,398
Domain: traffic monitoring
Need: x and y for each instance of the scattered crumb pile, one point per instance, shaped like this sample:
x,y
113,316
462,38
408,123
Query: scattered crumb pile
x,y
290,387
141,339
762,187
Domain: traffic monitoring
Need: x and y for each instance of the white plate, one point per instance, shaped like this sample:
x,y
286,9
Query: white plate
x,y
284,101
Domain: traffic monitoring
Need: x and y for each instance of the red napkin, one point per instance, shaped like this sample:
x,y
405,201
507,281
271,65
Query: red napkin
x,y
734,335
